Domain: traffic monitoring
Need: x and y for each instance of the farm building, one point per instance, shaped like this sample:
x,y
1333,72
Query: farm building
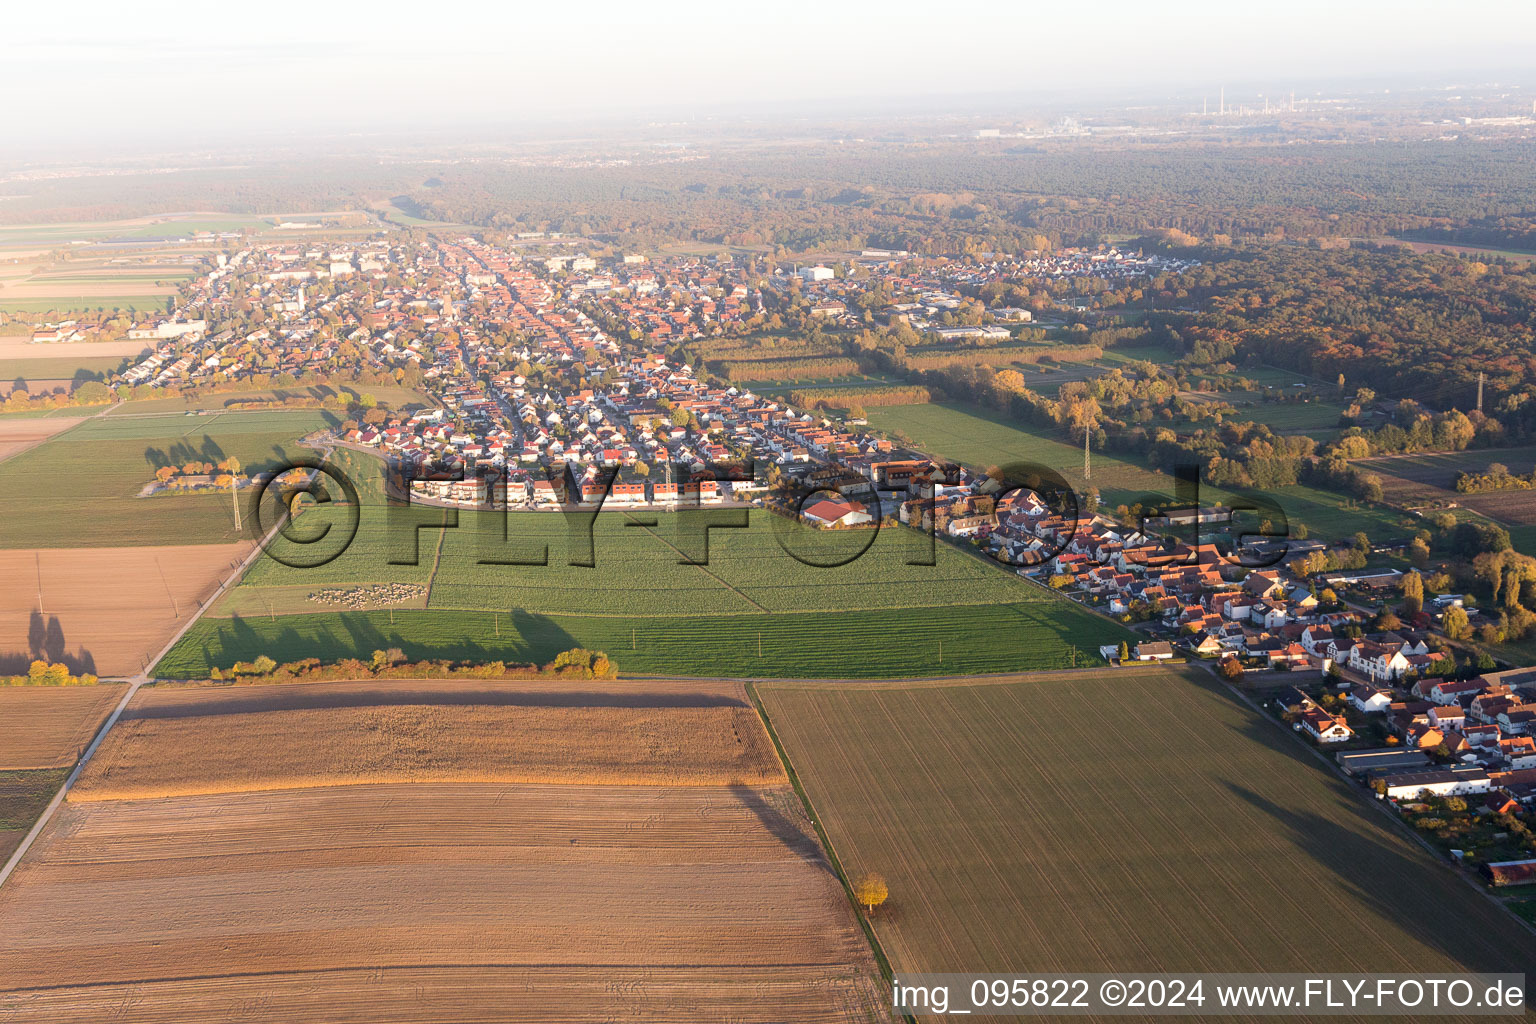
x,y
1511,872
1360,762
1450,782
837,513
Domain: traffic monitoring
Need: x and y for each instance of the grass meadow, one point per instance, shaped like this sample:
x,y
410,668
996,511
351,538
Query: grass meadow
x,y
979,438
81,488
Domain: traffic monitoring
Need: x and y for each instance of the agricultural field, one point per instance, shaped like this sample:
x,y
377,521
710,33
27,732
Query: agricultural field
x,y
1317,420
20,434
610,895
45,729
979,438
1208,840
82,489
389,396
853,644
48,366
50,726
392,731
754,609
1424,479
104,610
23,795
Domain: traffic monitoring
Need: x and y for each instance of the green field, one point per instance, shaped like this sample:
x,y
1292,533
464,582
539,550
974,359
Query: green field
x,y
842,644
1118,820
1319,419
874,616
979,438
80,489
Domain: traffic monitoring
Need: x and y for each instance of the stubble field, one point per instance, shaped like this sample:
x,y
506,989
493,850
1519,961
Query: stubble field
x,y
179,741
443,901
50,726
1129,821
20,434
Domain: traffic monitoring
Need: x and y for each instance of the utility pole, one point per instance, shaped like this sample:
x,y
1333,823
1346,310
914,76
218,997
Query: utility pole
x,y
1480,391
1087,469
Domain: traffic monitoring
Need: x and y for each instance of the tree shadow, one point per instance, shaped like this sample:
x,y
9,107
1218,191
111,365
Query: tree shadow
x,y
526,638
182,452
1387,875
46,642
782,828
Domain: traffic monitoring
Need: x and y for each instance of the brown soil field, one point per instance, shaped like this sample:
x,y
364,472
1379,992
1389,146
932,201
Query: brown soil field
x,y
16,349
50,726
36,386
19,435
440,901
113,607
1414,479
233,739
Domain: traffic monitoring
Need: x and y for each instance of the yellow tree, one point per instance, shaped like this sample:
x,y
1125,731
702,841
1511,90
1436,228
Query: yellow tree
x,y
870,890
1413,593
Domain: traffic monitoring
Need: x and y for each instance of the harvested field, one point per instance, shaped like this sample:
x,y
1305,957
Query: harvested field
x,y
103,610
1131,820
49,726
1431,479
21,434
18,349
178,741
441,901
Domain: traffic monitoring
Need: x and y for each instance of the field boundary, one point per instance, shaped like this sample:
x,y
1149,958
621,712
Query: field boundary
x,y
881,960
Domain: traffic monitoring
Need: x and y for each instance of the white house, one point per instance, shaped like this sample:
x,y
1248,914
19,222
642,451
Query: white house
x,y
1369,699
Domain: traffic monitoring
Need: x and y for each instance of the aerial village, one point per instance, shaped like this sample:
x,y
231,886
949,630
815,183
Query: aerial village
x,y
555,383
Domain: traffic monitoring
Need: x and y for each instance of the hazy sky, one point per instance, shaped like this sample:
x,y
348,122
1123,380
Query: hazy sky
x,y
176,68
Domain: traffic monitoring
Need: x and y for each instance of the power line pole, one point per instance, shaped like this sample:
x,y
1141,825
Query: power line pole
x,y
1087,469
1480,391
